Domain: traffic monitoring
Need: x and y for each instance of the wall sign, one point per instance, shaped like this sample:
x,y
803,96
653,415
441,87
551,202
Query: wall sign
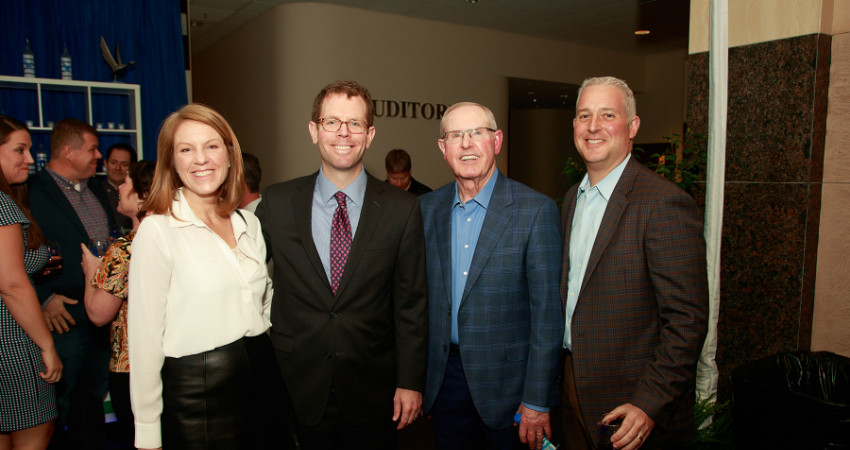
x,y
409,110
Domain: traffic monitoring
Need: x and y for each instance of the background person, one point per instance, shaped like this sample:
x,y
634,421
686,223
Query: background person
x,y
71,207
253,174
29,363
202,368
398,167
106,293
349,317
634,286
493,262
119,157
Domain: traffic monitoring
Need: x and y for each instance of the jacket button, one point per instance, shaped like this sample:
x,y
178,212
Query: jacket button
x,y
334,315
327,355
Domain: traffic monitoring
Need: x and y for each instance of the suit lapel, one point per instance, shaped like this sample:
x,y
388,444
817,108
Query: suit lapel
x,y
56,195
613,212
443,231
370,215
302,207
497,218
569,209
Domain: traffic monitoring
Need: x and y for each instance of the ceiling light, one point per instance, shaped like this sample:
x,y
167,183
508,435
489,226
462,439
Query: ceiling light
x,y
641,32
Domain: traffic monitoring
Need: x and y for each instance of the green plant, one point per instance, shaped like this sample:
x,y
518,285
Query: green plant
x,y
684,159
574,171
715,420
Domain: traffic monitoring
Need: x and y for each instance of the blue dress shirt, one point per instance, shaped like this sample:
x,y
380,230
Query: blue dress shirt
x,y
590,208
467,220
324,205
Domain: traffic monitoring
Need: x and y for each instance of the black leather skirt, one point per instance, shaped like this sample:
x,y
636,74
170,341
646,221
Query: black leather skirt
x,y
231,397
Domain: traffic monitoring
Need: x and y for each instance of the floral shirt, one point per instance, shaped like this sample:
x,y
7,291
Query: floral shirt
x,y
111,276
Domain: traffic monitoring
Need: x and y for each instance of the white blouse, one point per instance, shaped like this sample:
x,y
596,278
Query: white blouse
x,y
189,292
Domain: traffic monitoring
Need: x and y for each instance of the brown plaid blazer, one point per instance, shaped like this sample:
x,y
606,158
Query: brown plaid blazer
x,y
641,317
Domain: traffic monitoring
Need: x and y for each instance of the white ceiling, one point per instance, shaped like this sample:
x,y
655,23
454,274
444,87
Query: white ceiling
x,y
596,23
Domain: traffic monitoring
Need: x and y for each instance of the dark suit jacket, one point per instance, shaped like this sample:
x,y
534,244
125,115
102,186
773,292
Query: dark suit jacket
x,y
641,316
371,337
59,222
510,323
416,188
121,220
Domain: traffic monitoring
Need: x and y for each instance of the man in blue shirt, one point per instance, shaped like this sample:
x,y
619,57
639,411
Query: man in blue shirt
x,y
493,257
634,286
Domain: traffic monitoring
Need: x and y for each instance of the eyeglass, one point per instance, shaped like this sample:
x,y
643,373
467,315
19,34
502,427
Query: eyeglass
x,y
476,134
354,126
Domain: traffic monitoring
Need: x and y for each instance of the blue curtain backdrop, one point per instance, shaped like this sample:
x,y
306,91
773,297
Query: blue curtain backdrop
x,y
147,31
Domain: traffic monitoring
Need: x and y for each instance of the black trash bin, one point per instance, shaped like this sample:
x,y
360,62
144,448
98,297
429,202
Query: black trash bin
x,y
793,400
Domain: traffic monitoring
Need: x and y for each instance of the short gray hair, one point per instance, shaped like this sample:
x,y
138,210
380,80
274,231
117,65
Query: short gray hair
x,y
628,96
490,115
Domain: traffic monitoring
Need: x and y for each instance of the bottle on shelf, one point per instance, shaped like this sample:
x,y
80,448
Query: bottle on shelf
x,y
40,157
29,61
65,64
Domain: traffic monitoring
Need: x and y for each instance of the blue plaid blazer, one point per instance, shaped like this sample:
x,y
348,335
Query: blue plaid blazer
x,y
511,326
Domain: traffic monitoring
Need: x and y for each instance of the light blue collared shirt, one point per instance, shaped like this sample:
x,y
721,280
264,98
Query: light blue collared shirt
x,y
590,208
467,220
324,206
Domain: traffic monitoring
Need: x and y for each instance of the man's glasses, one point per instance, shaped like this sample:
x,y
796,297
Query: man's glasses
x,y
354,126
476,134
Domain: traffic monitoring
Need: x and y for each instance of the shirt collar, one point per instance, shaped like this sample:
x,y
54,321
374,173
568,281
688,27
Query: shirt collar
x,y
607,185
65,183
483,196
356,191
183,216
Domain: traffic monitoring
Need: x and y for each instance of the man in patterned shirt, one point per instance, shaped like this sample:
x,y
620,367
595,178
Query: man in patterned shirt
x,y
71,208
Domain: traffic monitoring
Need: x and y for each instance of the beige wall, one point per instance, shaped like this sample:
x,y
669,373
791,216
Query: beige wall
x,y
752,21
663,97
832,287
263,78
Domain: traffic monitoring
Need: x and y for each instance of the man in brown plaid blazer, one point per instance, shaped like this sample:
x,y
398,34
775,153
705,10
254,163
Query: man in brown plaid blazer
x,y
633,285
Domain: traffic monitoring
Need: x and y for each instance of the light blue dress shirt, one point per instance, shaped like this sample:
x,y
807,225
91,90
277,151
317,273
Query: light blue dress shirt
x,y
467,220
590,208
324,206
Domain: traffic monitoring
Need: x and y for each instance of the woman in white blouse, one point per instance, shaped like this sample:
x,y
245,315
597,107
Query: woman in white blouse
x,y
202,370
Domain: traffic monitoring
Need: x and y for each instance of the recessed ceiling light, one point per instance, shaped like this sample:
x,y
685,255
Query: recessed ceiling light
x,y
642,32
472,1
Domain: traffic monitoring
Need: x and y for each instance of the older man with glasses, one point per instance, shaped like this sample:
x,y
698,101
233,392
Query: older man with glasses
x,y
493,260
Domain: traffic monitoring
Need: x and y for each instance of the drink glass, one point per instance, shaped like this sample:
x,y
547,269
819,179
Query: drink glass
x,y
98,247
54,260
605,433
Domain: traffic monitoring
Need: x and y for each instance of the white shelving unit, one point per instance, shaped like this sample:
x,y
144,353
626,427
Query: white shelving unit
x,y
88,89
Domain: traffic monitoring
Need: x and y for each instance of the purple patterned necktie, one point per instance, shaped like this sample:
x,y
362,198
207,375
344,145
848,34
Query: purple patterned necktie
x,y
340,240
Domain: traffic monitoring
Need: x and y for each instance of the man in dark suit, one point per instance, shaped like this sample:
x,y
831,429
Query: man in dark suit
x,y
633,285
71,207
398,166
350,334
119,157
493,262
